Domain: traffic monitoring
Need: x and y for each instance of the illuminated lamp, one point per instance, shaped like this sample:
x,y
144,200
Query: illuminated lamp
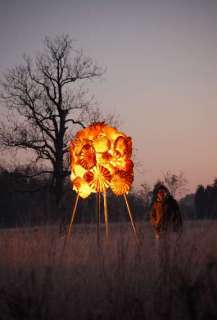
x,y
100,159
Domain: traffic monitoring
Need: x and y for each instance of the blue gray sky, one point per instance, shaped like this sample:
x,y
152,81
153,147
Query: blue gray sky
x,y
161,60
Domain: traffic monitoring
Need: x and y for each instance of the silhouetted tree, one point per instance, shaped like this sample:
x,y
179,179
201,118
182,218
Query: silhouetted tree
x,y
187,206
144,198
211,200
200,201
46,99
176,183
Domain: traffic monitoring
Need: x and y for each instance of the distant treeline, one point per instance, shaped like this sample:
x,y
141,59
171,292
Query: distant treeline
x,y
206,201
202,204
26,200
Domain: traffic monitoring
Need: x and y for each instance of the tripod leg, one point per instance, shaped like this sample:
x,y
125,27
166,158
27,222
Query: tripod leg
x,y
131,218
73,217
106,213
98,218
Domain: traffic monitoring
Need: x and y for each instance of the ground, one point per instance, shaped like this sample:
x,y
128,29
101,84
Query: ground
x,y
170,279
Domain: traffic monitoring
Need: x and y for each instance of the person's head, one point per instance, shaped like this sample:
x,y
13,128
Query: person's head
x,y
161,194
160,191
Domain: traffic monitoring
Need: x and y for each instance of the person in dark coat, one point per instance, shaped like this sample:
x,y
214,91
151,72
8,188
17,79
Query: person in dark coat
x,y
165,212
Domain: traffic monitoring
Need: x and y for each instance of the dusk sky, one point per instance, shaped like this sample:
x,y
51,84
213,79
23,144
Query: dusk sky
x,y
161,60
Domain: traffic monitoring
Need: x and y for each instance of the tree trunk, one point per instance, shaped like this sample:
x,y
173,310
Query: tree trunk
x,y
58,187
58,174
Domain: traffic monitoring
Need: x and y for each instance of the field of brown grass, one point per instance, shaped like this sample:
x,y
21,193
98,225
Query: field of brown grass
x,y
170,279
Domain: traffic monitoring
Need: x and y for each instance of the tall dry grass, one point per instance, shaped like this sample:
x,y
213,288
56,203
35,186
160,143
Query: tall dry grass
x,y
170,279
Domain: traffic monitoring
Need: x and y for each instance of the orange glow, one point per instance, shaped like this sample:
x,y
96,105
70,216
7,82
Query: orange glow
x,y
121,182
100,159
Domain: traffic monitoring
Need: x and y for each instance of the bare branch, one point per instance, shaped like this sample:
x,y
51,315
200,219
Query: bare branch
x,y
176,183
49,101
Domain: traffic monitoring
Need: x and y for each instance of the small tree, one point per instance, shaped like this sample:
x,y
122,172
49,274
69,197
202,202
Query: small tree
x,y
46,99
144,193
176,183
200,202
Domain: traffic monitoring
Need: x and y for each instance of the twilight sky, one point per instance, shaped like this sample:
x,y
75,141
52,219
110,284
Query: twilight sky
x,y
161,60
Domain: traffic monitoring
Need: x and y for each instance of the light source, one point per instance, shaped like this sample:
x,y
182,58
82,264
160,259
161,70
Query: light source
x,y
100,158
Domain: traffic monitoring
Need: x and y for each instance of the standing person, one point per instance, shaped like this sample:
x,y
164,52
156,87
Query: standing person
x,y
165,218
165,212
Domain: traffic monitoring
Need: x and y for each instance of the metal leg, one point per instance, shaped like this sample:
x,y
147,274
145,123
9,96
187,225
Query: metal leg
x,y
98,218
106,213
131,218
73,217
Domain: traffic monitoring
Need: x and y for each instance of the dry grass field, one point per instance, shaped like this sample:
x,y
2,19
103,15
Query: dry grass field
x,y
170,279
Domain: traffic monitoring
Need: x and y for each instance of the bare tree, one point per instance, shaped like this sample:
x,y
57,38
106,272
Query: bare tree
x,y
46,99
96,115
176,183
144,192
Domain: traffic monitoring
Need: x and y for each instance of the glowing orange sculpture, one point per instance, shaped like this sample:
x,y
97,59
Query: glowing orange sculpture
x,y
100,158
